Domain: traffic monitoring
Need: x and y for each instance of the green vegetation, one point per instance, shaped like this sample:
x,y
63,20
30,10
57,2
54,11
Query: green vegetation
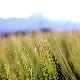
x,y
40,56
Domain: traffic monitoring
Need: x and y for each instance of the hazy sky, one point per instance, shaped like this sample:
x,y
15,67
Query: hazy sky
x,y
53,9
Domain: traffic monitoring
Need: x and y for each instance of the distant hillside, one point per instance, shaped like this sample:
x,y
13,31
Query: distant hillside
x,y
35,22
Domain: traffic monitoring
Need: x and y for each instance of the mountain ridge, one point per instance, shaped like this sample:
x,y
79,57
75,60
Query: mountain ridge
x,y
35,22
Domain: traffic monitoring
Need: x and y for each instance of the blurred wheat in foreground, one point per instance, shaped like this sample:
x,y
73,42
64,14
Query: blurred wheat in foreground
x,y
40,56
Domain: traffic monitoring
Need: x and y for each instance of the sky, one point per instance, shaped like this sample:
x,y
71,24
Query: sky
x,y
52,9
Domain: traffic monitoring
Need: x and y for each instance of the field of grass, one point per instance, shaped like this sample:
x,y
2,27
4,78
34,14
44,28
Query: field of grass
x,y
40,56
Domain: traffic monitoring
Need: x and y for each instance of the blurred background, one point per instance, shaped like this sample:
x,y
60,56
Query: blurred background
x,y
34,15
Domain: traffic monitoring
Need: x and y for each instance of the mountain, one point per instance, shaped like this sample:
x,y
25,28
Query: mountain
x,y
35,22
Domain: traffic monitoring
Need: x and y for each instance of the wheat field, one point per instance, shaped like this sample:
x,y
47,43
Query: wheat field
x,y
40,56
